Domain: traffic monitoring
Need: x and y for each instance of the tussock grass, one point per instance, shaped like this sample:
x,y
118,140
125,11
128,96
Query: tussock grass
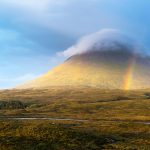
x,y
115,119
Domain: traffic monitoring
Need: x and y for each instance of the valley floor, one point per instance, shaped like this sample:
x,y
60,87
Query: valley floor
x,y
74,118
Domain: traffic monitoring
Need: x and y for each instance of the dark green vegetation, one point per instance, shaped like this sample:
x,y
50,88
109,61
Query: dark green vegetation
x,y
45,135
12,105
115,119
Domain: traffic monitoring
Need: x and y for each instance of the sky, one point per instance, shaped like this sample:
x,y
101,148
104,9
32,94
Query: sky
x,y
33,32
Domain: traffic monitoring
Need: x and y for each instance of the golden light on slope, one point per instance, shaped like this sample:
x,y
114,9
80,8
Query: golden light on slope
x,y
109,70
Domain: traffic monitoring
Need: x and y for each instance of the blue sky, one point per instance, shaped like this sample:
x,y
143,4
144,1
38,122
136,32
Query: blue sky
x,y
32,32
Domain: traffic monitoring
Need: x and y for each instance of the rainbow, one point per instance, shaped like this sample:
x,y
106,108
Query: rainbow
x,y
129,74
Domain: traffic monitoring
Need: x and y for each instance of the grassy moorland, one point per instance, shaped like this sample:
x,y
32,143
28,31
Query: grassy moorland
x,y
110,119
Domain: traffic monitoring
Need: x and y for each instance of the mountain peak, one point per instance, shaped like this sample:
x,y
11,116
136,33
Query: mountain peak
x,y
106,59
119,69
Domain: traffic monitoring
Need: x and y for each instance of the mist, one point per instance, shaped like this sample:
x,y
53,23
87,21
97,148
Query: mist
x,y
103,40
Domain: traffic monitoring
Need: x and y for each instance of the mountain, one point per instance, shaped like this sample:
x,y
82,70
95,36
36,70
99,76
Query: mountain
x,y
107,69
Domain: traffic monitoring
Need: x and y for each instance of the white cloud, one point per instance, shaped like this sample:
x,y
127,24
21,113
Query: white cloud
x,y
101,40
22,78
32,5
36,11
73,17
11,82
